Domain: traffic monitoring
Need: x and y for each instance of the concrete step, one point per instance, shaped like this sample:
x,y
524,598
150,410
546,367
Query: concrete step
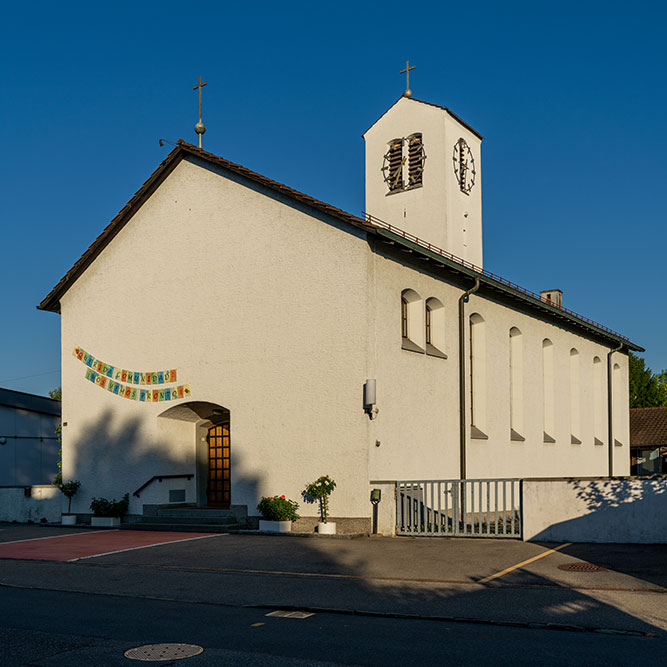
x,y
196,513
183,527
175,519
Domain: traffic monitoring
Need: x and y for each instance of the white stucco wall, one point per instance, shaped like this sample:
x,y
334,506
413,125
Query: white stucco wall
x,y
44,502
609,510
260,308
418,422
280,318
437,212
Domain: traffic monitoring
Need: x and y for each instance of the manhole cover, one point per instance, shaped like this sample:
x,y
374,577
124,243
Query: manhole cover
x,y
290,614
159,652
582,567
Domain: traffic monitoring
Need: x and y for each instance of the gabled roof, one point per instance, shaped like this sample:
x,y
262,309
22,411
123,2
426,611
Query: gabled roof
x,y
431,104
384,233
52,300
648,427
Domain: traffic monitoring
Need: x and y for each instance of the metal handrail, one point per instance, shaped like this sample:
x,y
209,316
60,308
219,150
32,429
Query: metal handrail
x,y
371,219
160,478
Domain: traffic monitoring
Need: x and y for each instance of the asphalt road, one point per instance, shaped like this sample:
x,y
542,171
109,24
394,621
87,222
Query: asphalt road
x,y
375,601
50,628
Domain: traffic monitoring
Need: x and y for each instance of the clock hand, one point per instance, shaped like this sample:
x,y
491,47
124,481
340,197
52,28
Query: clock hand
x,y
399,172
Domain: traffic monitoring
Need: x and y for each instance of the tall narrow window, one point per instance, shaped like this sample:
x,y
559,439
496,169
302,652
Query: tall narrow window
x,y
412,321
404,317
598,402
617,405
416,158
428,323
516,385
435,328
548,390
575,398
477,377
393,165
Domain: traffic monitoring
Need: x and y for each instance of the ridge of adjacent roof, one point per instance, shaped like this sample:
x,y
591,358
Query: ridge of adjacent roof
x,y
370,224
431,104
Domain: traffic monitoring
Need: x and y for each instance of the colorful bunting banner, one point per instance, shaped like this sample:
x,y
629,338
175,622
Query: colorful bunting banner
x,y
135,394
123,375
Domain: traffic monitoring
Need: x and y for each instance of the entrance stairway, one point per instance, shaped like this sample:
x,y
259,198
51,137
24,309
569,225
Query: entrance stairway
x,y
192,519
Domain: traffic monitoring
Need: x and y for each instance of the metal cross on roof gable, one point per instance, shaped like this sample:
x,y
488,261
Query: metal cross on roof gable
x,y
200,128
406,71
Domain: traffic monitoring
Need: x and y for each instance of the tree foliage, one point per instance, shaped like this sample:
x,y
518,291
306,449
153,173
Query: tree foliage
x,y
647,389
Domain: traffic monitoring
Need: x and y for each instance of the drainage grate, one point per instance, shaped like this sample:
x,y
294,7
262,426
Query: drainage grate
x,y
583,567
290,614
160,652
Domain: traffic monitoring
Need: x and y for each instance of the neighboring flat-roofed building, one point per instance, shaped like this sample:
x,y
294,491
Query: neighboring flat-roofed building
x,y
28,442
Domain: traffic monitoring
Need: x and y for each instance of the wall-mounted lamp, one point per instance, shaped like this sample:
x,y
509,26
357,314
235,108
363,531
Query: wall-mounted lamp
x,y
3,440
370,399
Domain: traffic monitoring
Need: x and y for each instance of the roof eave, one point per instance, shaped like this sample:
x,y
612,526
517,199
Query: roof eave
x,y
526,299
51,301
431,104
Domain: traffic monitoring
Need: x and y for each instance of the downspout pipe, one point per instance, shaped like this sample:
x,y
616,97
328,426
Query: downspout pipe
x,y
610,408
463,299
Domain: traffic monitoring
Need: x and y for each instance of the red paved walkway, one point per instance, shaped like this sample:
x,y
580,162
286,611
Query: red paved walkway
x,y
93,543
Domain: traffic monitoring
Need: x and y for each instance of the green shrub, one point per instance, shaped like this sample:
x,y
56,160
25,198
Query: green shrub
x,y
278,508
104,507
69,490
320,490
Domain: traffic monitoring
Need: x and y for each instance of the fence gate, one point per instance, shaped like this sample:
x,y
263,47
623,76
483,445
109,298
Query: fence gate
x,y
459,508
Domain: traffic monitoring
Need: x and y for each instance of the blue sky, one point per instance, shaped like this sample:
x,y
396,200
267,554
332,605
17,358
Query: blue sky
x,y
570,98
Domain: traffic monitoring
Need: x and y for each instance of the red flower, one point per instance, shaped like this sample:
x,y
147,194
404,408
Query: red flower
x,y
283,497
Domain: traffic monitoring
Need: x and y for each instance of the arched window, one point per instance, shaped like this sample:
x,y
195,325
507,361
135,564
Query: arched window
x,y
516,385
477,377
548,390
434,320
393,165
575,398
412,321
598,402
616,405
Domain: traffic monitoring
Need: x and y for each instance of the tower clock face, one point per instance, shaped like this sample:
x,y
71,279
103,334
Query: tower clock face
x,y
464,166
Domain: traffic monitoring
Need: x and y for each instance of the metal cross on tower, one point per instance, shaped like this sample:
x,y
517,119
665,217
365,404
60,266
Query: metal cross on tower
x,y
406,71
200,128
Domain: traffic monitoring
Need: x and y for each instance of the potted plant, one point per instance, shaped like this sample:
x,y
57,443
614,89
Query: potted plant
x,y
278,513
108,513
69,490
319,491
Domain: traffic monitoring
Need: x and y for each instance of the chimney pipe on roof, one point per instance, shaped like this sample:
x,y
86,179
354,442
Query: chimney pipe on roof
x,y
554,297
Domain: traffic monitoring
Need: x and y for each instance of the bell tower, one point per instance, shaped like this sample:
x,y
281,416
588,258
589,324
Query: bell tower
x,y
423,175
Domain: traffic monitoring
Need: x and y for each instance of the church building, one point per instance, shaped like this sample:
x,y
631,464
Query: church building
x,y
227,337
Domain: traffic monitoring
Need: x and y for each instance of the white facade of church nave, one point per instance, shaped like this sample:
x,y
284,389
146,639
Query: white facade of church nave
x,y
280,314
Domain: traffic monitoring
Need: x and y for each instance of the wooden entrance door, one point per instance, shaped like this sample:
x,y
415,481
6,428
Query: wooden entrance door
x,y
219,481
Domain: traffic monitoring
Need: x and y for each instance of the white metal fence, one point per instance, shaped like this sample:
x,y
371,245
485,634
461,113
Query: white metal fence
x,y
459,508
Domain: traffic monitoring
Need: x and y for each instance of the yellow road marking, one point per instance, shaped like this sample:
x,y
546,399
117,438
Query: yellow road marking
x,y
522,563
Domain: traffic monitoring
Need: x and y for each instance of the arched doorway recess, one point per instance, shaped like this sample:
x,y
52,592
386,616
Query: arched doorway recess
x,y
212,436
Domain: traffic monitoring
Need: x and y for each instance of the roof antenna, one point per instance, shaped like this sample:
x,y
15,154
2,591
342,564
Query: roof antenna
x,y
200,128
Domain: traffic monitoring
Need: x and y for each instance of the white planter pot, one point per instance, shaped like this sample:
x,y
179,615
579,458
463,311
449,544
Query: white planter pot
x,y
328,528
275,526
68,519
105,521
